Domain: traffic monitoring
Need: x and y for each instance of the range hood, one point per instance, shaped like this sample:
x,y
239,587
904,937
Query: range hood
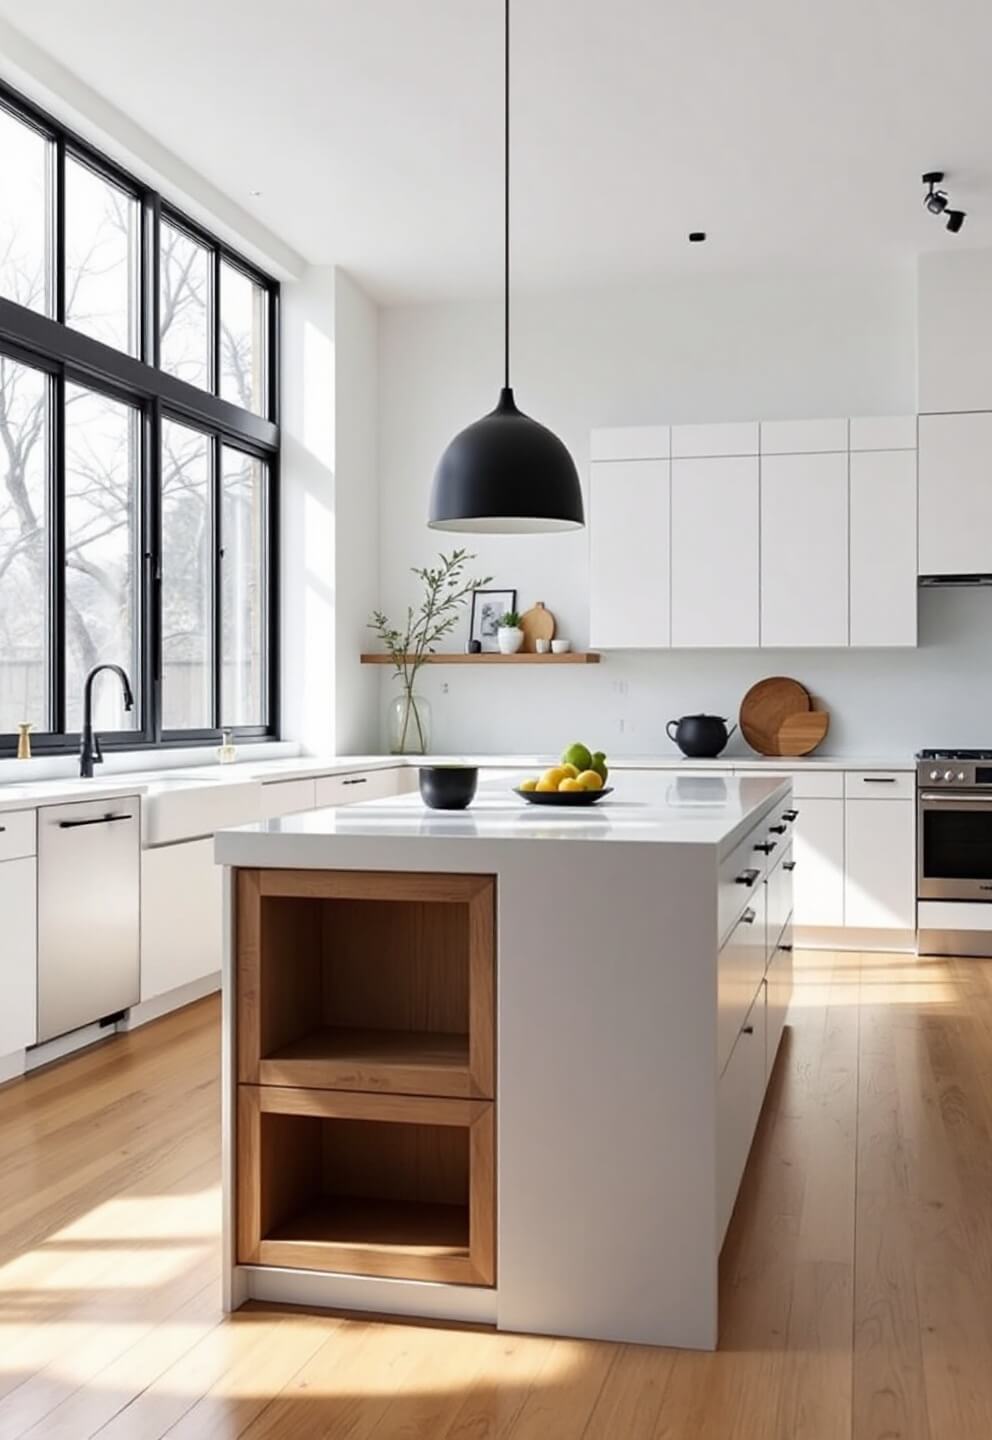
x,y
932,582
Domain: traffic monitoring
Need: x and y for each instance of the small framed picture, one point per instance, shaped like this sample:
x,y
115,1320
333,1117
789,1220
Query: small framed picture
x,y
488,609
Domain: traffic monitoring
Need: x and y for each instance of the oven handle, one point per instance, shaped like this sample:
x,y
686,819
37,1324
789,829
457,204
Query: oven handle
x,y
946,797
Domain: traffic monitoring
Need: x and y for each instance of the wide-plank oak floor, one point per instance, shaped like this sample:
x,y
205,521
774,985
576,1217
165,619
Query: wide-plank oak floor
x,y
856,1278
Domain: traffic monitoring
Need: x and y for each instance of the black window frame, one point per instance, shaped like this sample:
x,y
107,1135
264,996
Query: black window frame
x,y
47,344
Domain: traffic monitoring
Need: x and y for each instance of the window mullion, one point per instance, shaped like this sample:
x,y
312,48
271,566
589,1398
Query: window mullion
x,y
151,571
56,619
151,212
217,588
59,229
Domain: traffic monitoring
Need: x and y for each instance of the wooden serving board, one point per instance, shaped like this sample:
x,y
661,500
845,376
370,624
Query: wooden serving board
x,y
537,624
765,706
799,734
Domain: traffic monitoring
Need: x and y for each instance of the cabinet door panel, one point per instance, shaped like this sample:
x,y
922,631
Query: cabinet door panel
x,y
883,548
18,955
804,550
880,870
629,535
818,850
956,494
715,552
182,909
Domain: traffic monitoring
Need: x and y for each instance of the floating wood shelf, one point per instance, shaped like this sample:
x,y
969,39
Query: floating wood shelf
x,y
573,657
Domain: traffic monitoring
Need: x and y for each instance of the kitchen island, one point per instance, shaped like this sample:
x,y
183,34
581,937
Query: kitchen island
x,y
503,1065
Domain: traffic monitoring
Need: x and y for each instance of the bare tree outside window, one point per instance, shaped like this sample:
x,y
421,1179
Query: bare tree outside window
x,y
25,258
102,226
184,306
187,649
242,339
242,590
23,546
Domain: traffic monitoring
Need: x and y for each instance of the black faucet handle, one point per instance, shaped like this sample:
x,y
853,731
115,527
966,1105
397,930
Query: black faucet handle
x,y
97,752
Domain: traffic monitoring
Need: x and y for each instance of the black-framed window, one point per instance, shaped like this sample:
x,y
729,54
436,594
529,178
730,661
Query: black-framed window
x,y
139,455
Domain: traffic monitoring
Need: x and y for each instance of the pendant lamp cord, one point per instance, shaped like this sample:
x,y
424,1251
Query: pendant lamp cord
x,y
506,202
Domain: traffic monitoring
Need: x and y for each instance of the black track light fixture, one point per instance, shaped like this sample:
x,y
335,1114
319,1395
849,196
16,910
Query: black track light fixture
x,y
937,202
506,474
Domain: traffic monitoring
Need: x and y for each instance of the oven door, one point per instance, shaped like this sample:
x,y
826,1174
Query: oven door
x,y
954,845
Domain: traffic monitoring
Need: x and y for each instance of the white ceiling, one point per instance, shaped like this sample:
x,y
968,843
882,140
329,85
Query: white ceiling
x,y
793,131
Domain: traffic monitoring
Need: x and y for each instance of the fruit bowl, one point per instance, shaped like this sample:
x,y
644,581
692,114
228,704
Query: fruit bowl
x,y
563,797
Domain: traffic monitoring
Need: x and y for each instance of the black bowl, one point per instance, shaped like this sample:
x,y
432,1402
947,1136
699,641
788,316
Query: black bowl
x,y
448,787
565,798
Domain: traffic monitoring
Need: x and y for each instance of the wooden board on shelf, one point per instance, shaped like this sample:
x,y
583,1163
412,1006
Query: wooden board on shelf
x,y
522,657
538,623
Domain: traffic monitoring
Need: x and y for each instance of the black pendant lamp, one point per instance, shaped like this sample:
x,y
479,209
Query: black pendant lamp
x,y
506,474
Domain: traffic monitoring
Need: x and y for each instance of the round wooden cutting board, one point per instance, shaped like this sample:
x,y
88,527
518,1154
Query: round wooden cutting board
x,y
537,624
764,708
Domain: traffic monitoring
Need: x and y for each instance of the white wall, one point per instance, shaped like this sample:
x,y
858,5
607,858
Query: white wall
x,y
329,511
718,348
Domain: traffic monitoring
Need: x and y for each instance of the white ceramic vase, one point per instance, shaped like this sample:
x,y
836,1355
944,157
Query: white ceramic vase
x,y
510,639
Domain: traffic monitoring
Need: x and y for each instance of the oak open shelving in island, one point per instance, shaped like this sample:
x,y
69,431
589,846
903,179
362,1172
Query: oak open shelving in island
x,y
454,657
365,1048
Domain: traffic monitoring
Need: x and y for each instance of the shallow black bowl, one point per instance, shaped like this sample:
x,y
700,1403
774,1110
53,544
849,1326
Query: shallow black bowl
x,y
564,797
448,787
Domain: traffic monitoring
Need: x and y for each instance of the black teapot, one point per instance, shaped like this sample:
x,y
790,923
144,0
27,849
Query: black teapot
x,y
700,736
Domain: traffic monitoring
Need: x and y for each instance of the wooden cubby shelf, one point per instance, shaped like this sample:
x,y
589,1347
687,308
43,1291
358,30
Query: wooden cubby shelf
x,y
409,1062
366,1058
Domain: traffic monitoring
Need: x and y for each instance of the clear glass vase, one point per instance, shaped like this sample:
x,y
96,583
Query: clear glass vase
x,y
409,726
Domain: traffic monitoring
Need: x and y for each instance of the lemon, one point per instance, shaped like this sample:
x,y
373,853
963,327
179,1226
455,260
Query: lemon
x,y
544,785
528,785
569,784
572,771
555,776
590,780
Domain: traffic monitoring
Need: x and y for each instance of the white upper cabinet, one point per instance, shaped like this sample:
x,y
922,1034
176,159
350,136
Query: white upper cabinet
x,y
804,550
954,330
631,442
629,554
883,432
883,547
715,512
802,437
956,494
735,438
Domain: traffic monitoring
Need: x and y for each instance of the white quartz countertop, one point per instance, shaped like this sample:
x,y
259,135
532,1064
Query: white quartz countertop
x,y
643,809
16,794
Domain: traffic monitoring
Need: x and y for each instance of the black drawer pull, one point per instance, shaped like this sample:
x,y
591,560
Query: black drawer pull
x,y
878,779
747,877
3,829
776,829
788,864
766,847
790,815
359,780
97,820
747,1029
749,917
786,949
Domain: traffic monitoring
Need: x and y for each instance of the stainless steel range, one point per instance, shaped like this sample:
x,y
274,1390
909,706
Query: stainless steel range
x,y
954,852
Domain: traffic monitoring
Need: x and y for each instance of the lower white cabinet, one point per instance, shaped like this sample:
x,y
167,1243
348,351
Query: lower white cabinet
x,y
182,912
880,864
778,994
18,954
740,968
363,785
818,850
287,797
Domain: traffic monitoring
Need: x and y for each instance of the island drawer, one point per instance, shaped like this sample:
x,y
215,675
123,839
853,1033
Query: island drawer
x,y
398,1187
778,994
741,875
740,971
779,893
739,1098
382,983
